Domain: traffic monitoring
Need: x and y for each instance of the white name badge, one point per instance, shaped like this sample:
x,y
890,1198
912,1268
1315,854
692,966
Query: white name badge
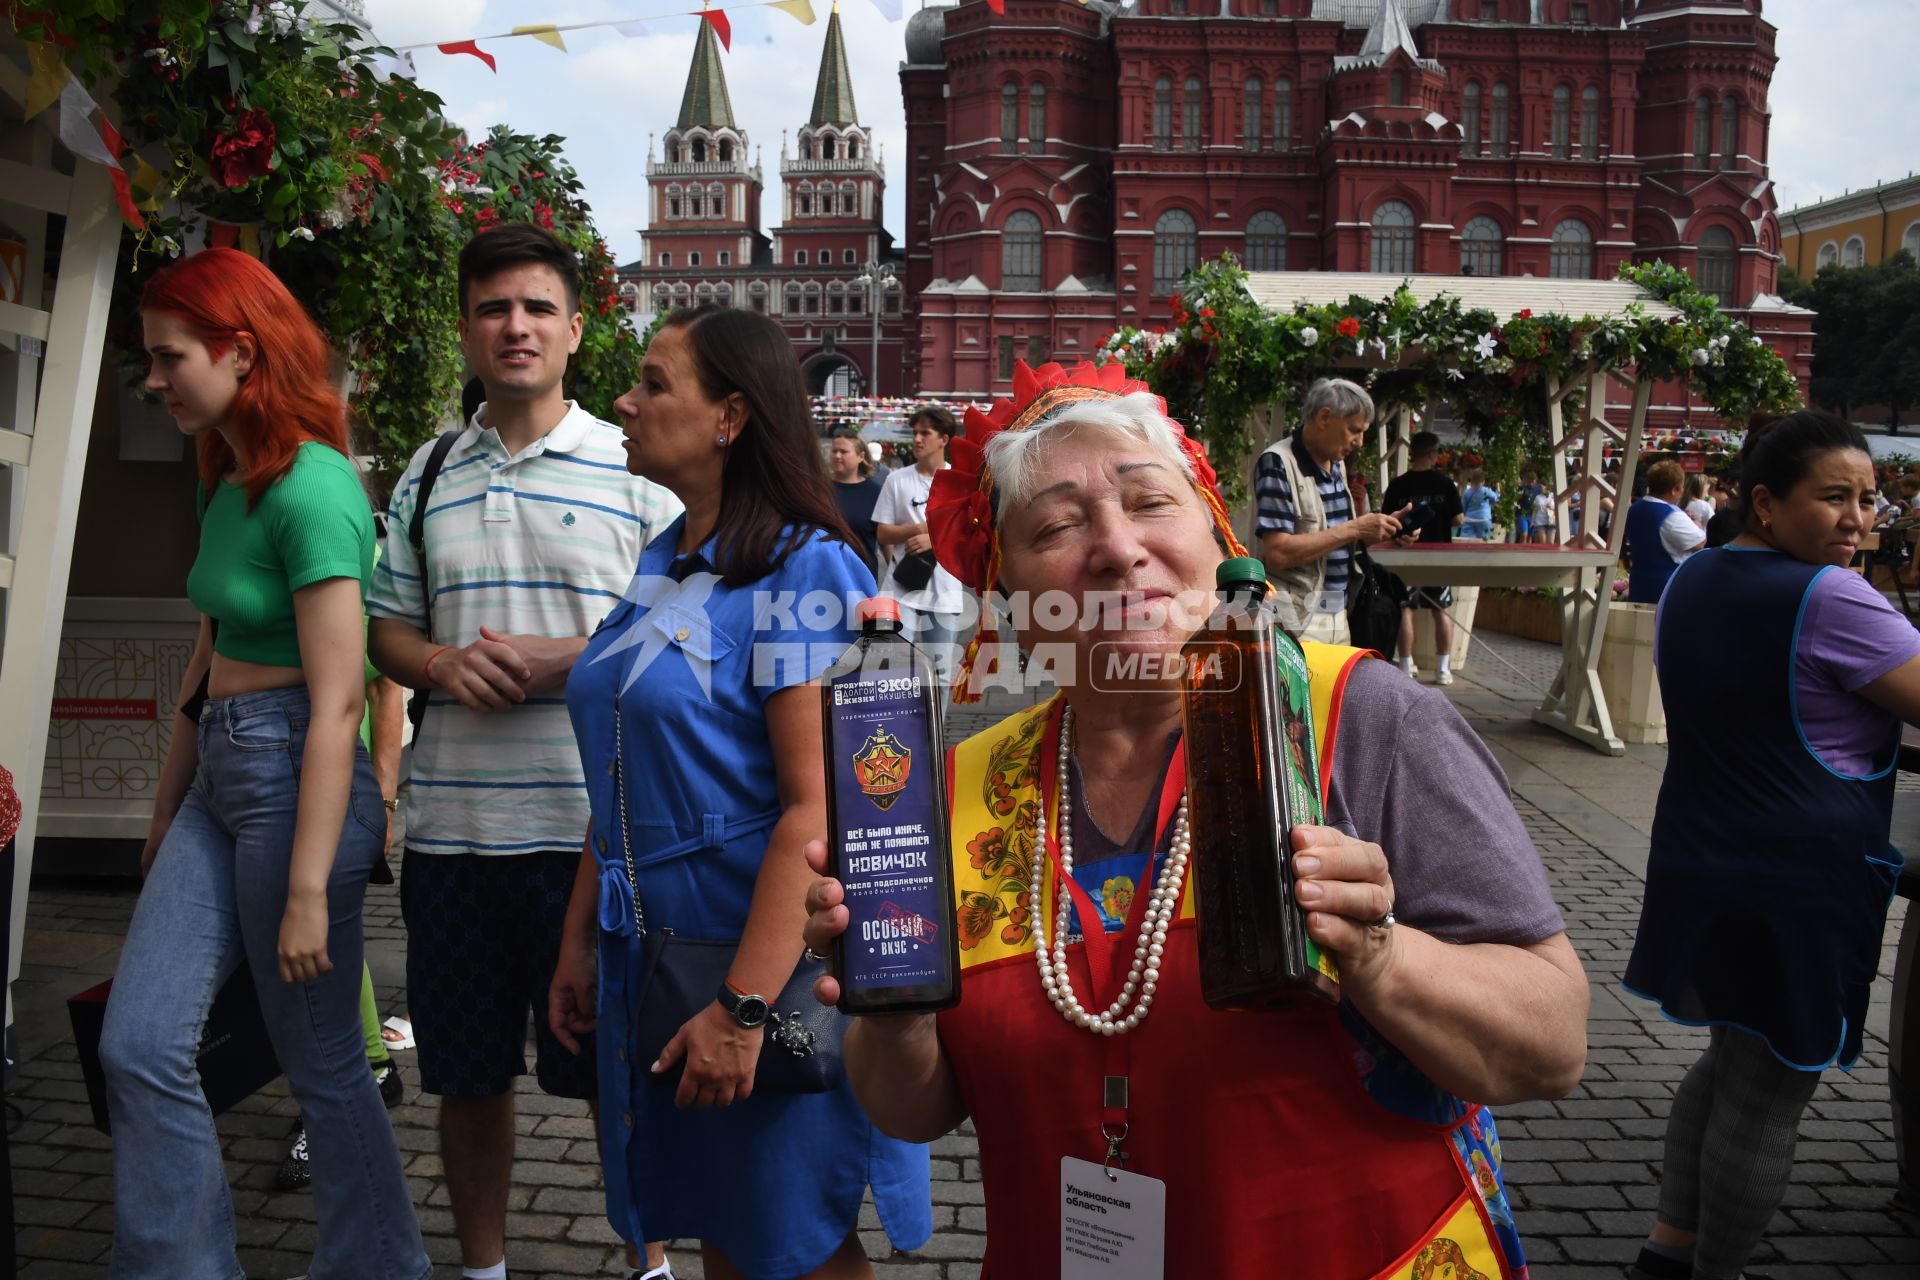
x,y
1111,1228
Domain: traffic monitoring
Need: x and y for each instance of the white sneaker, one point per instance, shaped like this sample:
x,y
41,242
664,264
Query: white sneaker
x,y
1443,677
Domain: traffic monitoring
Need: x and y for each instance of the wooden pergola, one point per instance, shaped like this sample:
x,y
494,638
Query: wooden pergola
x,y
1581,564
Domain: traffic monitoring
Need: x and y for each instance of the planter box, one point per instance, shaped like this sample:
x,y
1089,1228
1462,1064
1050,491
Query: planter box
x,y
1528,617
1627,675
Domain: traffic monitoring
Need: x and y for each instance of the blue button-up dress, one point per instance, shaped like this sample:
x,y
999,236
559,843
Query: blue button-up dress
x,y
776,1181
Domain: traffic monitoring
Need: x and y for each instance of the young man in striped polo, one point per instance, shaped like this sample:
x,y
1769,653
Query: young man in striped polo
x,y
532,531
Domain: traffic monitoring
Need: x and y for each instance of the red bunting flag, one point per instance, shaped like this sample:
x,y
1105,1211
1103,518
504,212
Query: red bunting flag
x,y
722,27
472,47
998,6
122,189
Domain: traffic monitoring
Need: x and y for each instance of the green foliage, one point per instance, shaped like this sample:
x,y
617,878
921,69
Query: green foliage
x,y
1866,337
282,129
1226,357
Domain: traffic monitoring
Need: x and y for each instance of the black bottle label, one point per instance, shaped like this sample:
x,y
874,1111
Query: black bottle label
x,y
885,775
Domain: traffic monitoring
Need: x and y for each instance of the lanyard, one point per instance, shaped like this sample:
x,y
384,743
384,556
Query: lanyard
x,y
1101,967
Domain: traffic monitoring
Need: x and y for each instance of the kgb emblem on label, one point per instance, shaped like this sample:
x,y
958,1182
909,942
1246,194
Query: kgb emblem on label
x,y
881,767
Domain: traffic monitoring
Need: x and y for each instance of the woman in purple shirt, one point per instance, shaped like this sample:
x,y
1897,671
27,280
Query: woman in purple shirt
x,y
1785,678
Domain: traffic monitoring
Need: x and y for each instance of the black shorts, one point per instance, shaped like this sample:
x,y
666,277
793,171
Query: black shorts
x,y
483,934
1429,598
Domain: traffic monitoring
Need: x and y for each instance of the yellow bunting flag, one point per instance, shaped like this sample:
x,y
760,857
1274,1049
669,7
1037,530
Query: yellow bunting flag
x,y
801,9
545,33
49,78
249,239
149,180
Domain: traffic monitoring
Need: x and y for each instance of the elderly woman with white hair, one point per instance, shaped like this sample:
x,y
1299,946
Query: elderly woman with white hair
x,y
1118,1115
1303,520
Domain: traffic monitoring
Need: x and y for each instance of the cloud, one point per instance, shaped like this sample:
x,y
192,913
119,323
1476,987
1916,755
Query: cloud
x,y
1844,98
416,21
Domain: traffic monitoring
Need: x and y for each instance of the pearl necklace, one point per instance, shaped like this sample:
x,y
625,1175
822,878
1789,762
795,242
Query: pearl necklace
x,y
1144,974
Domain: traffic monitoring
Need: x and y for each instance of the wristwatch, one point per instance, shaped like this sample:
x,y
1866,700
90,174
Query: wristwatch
x,y
749,1011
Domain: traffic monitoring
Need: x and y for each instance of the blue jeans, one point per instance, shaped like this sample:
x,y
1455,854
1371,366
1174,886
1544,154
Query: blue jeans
x,y
940,637
217,892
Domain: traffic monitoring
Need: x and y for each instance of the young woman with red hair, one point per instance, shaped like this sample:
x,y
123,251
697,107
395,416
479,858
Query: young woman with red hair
x,y
268,816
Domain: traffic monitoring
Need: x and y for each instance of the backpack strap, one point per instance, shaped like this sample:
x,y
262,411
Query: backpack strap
x,y
417,539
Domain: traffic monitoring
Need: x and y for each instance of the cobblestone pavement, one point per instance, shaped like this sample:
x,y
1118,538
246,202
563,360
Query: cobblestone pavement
x,y
1583,1170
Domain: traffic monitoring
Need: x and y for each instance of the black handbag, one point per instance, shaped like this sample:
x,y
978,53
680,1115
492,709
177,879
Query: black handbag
x,y
1374,597
914,570
802,1051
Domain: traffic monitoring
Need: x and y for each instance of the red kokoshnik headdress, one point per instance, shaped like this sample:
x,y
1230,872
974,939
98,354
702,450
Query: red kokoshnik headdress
x,y
960,508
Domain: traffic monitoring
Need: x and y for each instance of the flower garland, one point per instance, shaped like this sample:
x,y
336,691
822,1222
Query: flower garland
x,y
259,125
1226,357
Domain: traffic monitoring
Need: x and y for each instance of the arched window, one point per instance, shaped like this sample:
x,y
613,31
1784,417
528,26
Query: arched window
x,y
1702,131
1502,121
1009,115
726,149
847,256
799,257
1572,257
726,258
696,203
1482,248
666,259
849,200
853,148
1562,121
1392,251
673,201
1163,114
1854,254
1829,255
1713,267
1020,253
827,147
1470,118
717,201
693,259
1253,115
1037,117
1190,114
1397,89
1911,241
1729,132
805,199
1283,114
1590,123
1266,242
1176,240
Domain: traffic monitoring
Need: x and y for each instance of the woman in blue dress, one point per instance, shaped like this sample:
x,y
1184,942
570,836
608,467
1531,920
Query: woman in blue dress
x,y
734,610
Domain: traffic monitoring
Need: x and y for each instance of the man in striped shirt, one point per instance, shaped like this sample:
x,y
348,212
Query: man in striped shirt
x,y
1303,511
533,530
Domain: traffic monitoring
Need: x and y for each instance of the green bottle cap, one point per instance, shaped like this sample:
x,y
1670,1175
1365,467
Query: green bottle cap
x,y
1240,569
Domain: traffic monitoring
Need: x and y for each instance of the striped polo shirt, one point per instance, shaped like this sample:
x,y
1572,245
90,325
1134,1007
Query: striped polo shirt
x,y
1274,509
541,543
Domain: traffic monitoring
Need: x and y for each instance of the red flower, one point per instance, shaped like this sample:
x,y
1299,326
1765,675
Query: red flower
x,y
1348,327
246,153
1526,313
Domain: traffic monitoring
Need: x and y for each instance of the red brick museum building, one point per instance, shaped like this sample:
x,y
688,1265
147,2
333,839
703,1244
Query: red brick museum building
x,y
1066,162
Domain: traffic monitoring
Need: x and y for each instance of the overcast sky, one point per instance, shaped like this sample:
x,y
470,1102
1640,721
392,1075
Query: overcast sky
x,y
1845,98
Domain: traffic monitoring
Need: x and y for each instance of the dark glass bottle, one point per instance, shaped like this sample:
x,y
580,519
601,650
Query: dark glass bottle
x,y
1252,776
887,839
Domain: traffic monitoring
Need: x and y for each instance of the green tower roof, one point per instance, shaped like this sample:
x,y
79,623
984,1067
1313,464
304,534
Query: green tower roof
x,y
705,102
833,94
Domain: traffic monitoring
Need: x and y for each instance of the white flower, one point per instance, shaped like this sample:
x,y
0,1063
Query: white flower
x,y
254,21
1486,346
1454,375
304,233
1700,356
1309,336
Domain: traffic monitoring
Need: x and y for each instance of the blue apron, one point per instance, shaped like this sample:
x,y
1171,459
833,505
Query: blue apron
x,y
1770,873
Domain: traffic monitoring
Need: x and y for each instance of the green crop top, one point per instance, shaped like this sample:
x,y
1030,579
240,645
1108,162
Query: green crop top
x,y
311,524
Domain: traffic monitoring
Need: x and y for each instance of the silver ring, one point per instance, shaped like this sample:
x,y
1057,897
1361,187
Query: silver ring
x,y
814,956
1384,923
